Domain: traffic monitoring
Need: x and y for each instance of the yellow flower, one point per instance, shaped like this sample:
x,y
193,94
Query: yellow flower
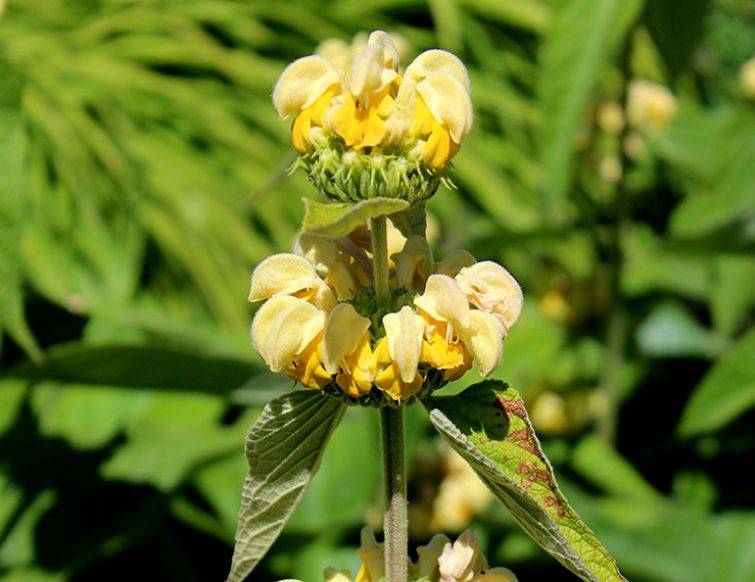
x,y
346,350
398,353
445,308
290,274
287,333
436,91
747,78
464,562
369,104
492,289
438,561
461,495
413,264
373,558
315,325
649,105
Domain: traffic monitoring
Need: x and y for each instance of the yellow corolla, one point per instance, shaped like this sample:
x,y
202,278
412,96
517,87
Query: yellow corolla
x,y
463,561
492,289
397,355
287,333
438,561
290,274
450,320
346,350
371,105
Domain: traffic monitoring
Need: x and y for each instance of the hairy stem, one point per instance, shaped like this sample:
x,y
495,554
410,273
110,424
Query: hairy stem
x,y
380,258
394,476
396,522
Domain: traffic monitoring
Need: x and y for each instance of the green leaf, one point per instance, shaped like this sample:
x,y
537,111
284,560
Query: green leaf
x,y
732,294
339,493
336,219
670,330
12,148
528,14
487,424
730,196
581,38
725,392
141,367
411,221
284,448
598,462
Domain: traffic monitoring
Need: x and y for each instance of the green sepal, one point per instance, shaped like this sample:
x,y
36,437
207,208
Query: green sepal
x,y
411,221
284,449
488,426
334,219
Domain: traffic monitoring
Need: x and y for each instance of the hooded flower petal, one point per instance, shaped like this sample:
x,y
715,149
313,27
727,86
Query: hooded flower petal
x,y
432,62
435,91
444,300
290,274
414,263
344,331
454,262
449,102
283,327
347,352
404,331
334,266
460,561
427,561
373,558
484,341
491,288
302,83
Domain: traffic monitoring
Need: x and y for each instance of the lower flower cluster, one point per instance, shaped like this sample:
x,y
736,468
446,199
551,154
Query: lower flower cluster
x,y
320,323
438,561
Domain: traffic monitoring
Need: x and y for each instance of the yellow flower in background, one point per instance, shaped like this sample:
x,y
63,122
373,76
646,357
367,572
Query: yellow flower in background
x,y
650,105
461,495
747,78
492,289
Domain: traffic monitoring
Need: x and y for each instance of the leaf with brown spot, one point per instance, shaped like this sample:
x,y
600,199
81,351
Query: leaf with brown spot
x,y
487,424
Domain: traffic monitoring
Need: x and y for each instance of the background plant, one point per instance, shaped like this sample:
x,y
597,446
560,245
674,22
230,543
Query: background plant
x,y
143,176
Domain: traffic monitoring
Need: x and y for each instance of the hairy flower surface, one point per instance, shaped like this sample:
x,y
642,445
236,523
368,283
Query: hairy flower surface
x,y
319,324
366,128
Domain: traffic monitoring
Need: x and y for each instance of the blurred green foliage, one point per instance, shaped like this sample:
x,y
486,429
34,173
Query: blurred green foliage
x,y
143,176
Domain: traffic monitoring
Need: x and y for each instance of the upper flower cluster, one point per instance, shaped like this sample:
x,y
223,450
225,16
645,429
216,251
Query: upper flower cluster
x,y
321,325
365,128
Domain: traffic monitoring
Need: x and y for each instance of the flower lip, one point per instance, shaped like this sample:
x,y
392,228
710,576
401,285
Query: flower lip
x,y
404,331
302,82
283,327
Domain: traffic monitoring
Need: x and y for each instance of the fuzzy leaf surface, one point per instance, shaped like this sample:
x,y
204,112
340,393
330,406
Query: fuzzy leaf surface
x,y
488,426
336,219
284,448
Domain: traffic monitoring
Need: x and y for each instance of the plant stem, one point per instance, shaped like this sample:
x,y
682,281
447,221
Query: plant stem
x,y
380,258
396,521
